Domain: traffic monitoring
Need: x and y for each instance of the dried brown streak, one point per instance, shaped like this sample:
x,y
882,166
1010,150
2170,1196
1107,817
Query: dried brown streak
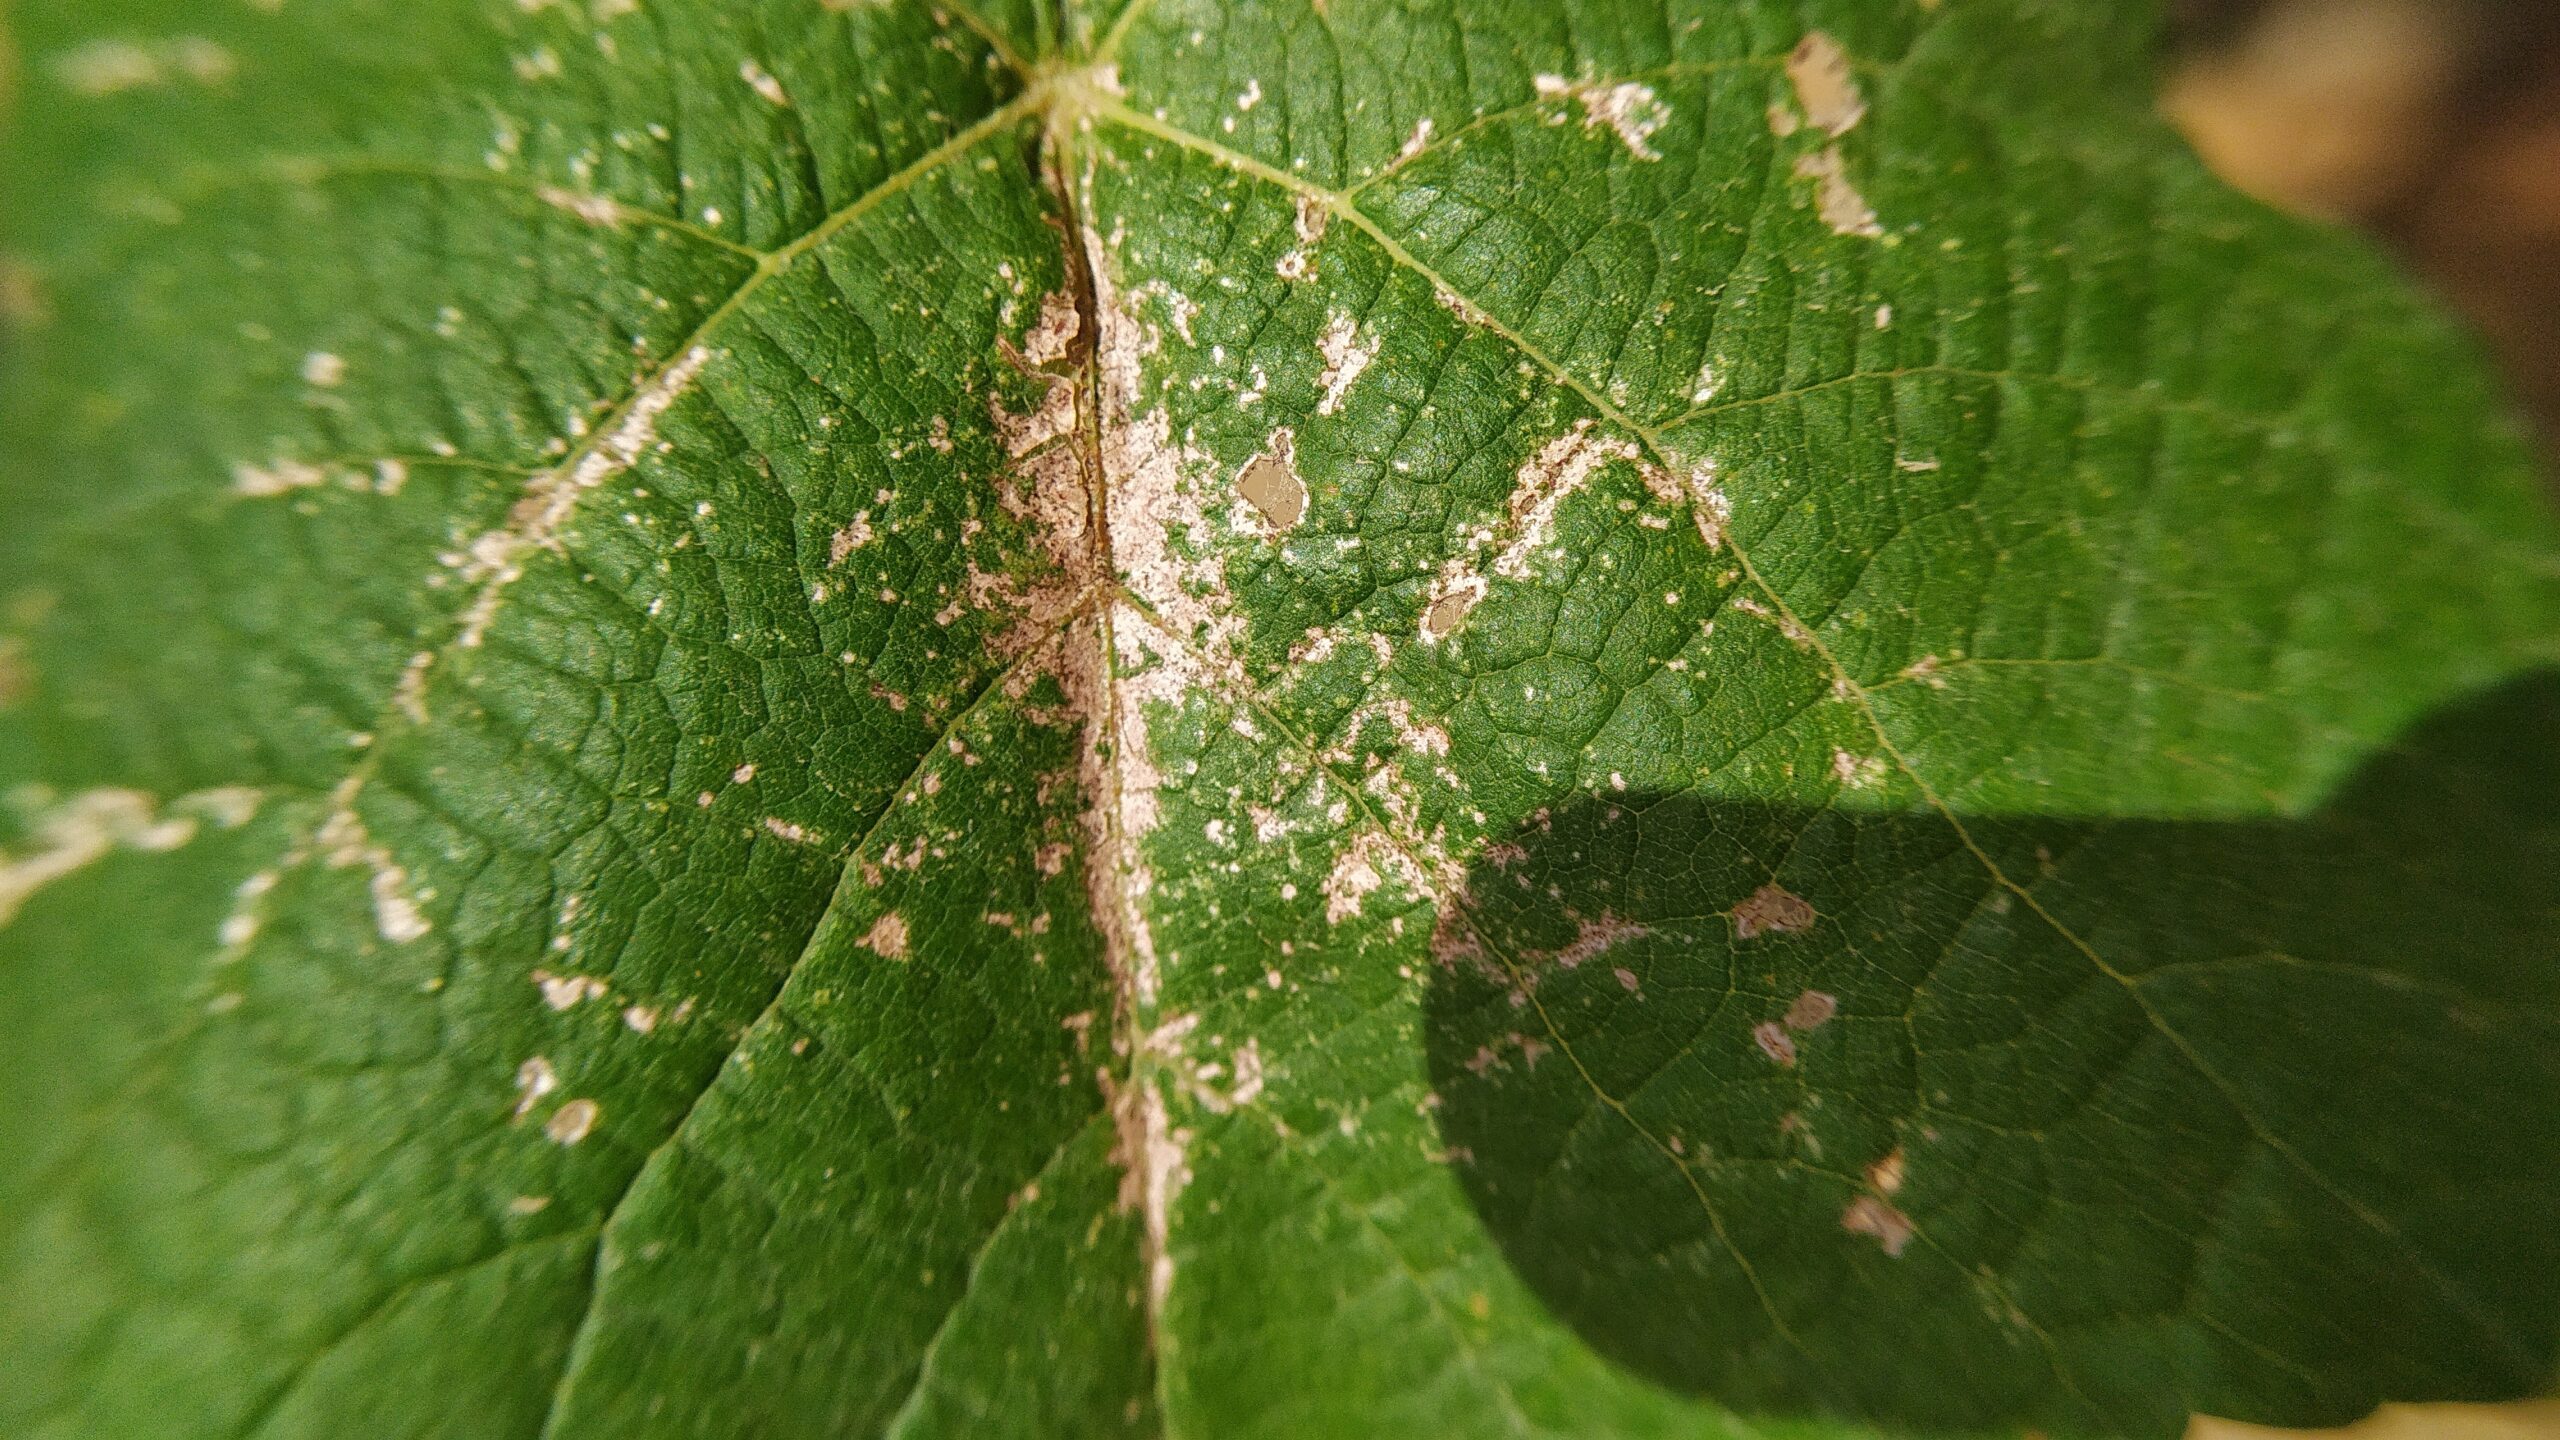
x,y
1134,1104
2460,1299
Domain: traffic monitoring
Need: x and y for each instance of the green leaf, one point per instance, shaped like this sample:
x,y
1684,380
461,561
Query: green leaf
x,y
819,717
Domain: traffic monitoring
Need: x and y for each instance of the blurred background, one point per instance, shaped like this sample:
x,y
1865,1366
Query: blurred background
x,y
2433,124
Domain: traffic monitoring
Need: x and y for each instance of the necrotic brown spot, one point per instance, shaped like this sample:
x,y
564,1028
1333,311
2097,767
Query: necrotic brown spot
x,y
1771,910
1271,487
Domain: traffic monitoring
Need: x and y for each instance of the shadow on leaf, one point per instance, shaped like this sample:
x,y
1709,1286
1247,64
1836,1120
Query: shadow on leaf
x,y
1804,1111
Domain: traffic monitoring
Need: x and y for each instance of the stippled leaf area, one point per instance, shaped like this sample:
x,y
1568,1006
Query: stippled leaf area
x,y
1242,718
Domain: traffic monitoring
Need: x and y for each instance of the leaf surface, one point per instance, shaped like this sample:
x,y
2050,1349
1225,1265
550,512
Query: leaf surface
x,y
818,718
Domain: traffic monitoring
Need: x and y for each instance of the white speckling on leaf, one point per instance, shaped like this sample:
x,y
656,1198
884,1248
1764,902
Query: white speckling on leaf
x,y
594,209
89,826
1704,388
1345,357
277,477
496,558
763,83
1417,142
345,844
1629,109
563,992
1362,867
1248,1074
854,534
534,1079
1055,415
109,67
1858,772
322,369
1561,469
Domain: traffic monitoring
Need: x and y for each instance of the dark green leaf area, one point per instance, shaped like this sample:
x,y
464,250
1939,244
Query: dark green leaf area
x,y
2077,1126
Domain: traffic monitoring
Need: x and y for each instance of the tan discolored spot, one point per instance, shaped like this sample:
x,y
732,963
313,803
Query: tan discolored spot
x,y
563,992
1054,333
1771,910
1873,1216
1825,86
595,209
277,477
1313,217
1834,198
1417,142
1594,938
1450,601
345,843
1023,433
855,534
1270,483
1561,469
1774,1041
495,559
887,937
573,1122
1810,1009
1858,772
1885,1176
762,82
85,828
534,1079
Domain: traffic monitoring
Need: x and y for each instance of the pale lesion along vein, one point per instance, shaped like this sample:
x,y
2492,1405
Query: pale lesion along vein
x,y
1043,98
1344,207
